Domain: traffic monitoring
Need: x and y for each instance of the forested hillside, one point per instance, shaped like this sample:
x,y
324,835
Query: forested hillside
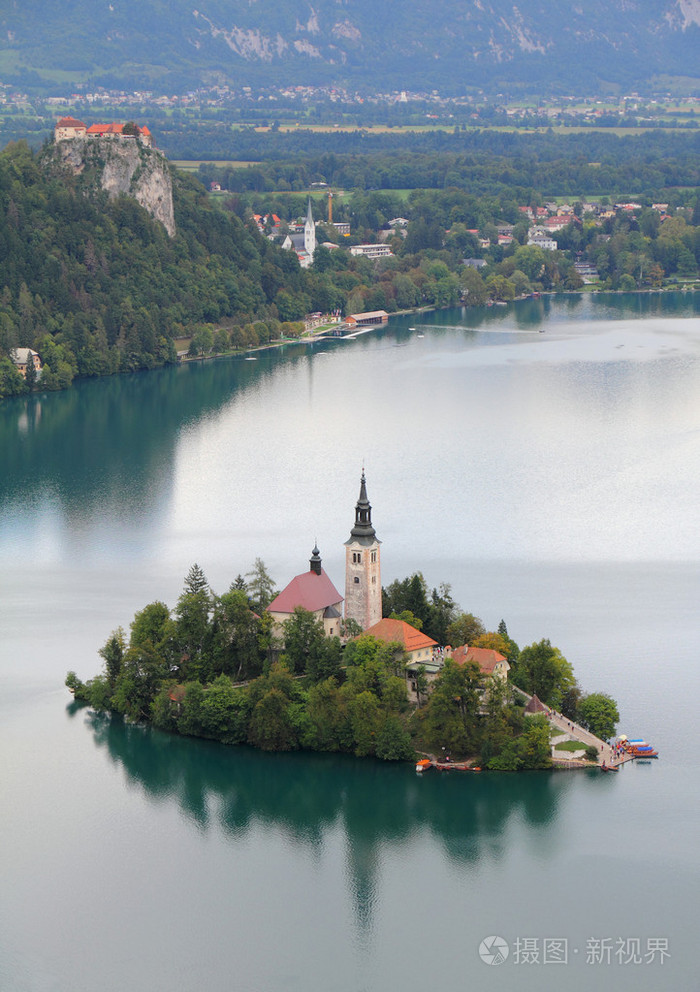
x,y
97,286
451,45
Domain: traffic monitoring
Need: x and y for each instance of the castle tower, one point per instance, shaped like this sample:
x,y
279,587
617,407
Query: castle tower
x,y
363,581
309,231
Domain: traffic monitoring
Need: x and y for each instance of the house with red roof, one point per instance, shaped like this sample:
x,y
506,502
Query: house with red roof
x,y
417,645
69,127
490,662
312,591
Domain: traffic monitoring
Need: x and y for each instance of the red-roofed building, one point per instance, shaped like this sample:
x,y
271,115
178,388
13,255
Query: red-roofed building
x,y
69,127
490,662
312,591
417,645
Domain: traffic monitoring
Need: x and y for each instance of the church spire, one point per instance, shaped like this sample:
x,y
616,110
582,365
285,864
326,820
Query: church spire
x,y
315,561
363,529
363,580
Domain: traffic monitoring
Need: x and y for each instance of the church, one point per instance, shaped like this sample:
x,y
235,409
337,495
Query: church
x,y
313,590
304,244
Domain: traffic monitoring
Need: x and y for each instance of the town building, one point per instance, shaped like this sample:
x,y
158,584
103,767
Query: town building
x,y
367,318
312,591
491,663
417,645
22,357
542,241
371,251
363,582
68,128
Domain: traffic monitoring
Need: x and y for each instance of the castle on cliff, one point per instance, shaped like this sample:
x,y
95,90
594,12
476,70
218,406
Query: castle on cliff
x,y
69,127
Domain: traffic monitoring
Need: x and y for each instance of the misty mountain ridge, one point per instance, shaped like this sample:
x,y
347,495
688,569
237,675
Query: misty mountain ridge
x,y
449,45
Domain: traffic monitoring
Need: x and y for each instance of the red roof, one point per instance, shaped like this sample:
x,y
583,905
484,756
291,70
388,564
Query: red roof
x,y
309,590
70,122
389,630
486,658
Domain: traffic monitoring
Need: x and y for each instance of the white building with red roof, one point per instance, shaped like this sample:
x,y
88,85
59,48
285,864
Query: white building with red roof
x,y
69,127
417,645
490,662
312,591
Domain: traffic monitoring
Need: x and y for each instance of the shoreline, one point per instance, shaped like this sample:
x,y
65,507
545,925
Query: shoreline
x,y
312,338
183,359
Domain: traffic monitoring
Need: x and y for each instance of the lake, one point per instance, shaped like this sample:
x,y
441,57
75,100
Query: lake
x,y
544,459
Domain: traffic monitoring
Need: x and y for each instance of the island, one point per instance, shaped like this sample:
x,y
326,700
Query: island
x,y
382,678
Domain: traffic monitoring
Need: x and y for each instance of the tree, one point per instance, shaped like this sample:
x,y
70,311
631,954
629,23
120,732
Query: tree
x,y
366,722
223,712
261,587
536,749
465,629
113,653
473,287
30,375
452,709
598,713
421,682
492,641
271,726
407,617
542,670
394,741
148,626
236,647
307,649
195,580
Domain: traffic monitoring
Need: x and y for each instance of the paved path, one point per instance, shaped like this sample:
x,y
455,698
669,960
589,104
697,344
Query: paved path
x,y
606,753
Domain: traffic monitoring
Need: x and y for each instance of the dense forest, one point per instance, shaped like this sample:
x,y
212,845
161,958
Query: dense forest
x,y
96,286
216,668
555,164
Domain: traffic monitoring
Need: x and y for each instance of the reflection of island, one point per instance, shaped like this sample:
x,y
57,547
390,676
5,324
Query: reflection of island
x,y
305,795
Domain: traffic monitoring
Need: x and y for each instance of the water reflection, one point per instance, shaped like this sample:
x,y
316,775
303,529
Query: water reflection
x,y
238,790
100,459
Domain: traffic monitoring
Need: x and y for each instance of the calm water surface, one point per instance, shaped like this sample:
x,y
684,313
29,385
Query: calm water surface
x,y
545,460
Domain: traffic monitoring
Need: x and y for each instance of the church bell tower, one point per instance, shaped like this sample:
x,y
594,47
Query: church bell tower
x,y
363,581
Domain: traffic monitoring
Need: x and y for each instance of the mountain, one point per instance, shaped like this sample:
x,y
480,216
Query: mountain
x,y
449,45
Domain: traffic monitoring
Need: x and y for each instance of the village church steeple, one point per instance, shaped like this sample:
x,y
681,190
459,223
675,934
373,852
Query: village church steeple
x,y
309,231
363,583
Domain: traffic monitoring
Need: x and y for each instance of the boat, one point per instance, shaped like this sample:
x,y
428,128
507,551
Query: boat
x,y
609,768
423,764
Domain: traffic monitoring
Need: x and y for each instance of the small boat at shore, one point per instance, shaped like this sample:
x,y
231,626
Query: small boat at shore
x,y
423,764
609,768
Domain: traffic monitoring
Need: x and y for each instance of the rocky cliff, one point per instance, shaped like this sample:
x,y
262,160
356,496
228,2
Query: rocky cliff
x,y
124,165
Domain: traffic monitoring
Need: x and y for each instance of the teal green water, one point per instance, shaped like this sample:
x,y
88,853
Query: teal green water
x,y
544,459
